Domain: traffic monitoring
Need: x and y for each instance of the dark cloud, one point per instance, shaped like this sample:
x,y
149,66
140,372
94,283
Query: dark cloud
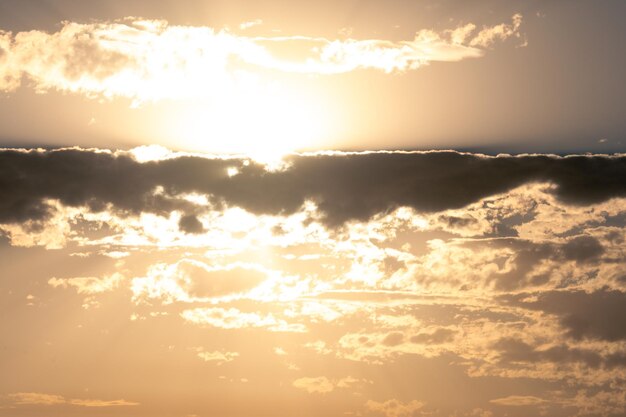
x,y
515,350
393,339
457,222
345,187
526,255
597,315
5,238
582,249
190,224
437,337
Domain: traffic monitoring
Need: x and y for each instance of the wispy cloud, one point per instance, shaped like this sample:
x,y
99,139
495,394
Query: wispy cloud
x,y
395,408
518,400
88,285
249,24
233,318
37,398
151,60
489,35
218,356
323,385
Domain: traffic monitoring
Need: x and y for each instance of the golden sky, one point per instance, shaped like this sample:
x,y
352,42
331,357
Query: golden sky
x,y
230,76
247,209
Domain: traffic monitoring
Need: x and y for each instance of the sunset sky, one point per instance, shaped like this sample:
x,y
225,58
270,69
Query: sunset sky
x,y
272,208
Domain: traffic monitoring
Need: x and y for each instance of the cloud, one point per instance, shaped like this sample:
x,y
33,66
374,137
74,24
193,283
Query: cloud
x,y
151,60
217,356
192,281
518,400
36,398
101,403
488,35
582,249
599,315
523,285
233,318
190,224
342,186
88,285
516,351
249,24
438,336
323,385
395,408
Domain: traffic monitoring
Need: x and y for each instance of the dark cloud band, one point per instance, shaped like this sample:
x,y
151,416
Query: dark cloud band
x,y
344,186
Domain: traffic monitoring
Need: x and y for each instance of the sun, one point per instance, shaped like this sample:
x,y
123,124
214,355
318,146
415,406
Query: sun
x,y
262,120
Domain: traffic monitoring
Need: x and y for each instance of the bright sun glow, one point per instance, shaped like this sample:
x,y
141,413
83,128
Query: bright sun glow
x,y
262,120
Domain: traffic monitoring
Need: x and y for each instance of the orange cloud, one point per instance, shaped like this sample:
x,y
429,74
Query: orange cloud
x,y
37,398
395,408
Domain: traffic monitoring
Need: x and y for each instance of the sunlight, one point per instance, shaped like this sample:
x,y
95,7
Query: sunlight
x,y
261,120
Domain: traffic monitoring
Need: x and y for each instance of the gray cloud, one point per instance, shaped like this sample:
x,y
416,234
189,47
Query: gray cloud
x,y
190,224
439,336
344,186
527,255
582,249
597,315
514,350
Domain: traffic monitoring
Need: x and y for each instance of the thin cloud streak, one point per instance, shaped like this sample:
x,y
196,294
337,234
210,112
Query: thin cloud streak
x,y
37,398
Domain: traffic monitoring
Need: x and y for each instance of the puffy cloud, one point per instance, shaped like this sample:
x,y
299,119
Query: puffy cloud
x,y
395,408
190,224
488,35
217,356
151,60
582,249
88,285
438,336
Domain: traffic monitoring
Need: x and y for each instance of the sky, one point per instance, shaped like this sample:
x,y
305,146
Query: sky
x,y
335,208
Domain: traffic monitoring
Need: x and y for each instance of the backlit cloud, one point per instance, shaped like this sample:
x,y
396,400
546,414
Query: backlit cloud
x,y
151,60
233,318
88,285
417,180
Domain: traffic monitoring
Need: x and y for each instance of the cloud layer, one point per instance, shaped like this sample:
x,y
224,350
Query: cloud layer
x,y
150,60
363,283
343,186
